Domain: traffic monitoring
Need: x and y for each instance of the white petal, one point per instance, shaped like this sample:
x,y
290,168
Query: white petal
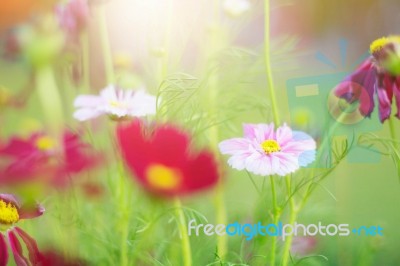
x,y
87,101
109,93
84,114
143,104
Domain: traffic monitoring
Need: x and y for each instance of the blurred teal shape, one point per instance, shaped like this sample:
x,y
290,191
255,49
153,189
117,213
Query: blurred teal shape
x,y
312,102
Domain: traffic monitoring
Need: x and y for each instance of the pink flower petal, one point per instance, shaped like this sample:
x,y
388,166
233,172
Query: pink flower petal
x,y
16,249
29,211
3,251
34,254
283,135
385,104
234,146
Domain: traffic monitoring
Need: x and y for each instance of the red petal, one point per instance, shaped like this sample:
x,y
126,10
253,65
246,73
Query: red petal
x,y
3,251
360,85
18,147
29,211
169,147
34,254
16,248
10,198
133,146
396,92
200,172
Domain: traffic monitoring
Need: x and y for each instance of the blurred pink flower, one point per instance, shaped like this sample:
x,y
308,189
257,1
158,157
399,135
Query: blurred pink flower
x,y
40,158
303,245
11,212
115,102
73,16
264,152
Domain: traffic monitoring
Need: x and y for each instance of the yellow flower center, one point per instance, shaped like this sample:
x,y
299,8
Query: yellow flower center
x,y
8,213
163,178
45,143
380,43
269,146
115,103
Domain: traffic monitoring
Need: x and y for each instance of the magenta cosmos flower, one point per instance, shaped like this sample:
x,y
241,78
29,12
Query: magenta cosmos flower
x,y
41,158
264,151
378,76
11,211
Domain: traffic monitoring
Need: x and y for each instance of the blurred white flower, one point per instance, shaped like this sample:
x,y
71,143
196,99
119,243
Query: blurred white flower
x,y
115,102
236,8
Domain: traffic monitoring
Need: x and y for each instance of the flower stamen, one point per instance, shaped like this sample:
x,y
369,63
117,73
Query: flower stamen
x,y
163,178
45,143
270,146
8,213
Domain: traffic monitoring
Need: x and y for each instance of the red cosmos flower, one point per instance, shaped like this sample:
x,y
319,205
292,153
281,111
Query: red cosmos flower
x,y
377,76
39,158
162,161
11,211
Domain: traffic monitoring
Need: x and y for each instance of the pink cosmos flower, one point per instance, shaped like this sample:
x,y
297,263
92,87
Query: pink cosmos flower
x,y
264,151
115,102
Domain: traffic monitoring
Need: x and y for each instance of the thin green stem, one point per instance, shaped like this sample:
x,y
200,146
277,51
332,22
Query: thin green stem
x,y
50,100
105,45
123,205
186,250
267,58
292,219
85,61
216,41
222,241
323,146
393,133
275,218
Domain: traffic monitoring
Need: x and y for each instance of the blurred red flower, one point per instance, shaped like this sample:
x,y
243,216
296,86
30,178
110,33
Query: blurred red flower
x,y
54,257
41,159
11,212
162,161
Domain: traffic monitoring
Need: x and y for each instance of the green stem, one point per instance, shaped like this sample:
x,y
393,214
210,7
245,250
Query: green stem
x,y
222,241
186,250
216,42
123,206
275,218
50,100
105,45
85,61
323,146
393,134
267,58
292,218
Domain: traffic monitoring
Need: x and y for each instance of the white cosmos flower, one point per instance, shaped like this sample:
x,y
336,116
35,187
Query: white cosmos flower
x,y
115,102
236,8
